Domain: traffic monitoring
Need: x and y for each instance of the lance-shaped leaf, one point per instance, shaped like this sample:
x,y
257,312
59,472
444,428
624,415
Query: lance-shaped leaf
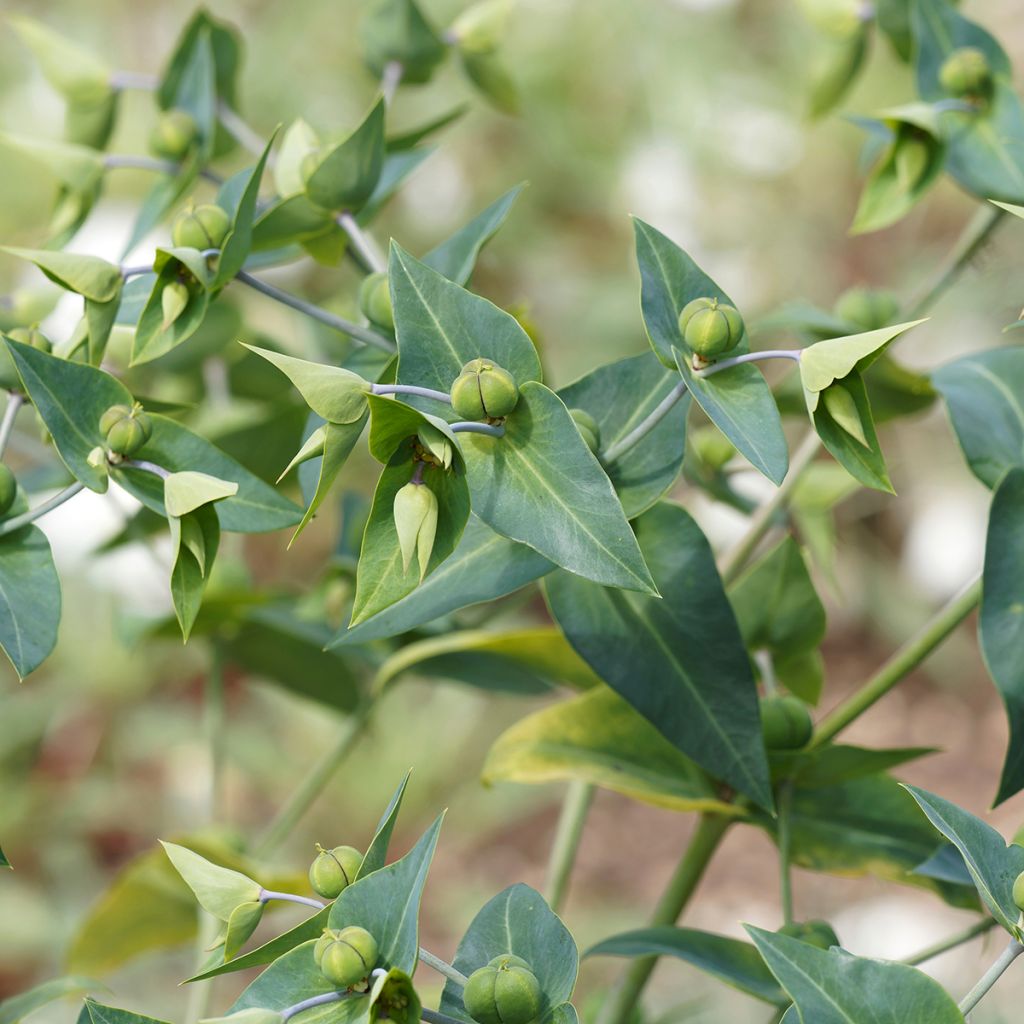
x,y
195,537
834,987
517,921
219,890
15,1008
540,484
397,31
440,327
1001,623
735,962
244,920
598,738
347,172
679,661
154,336
335,394
89,276
97,1013
992,864
837,68
4,862
484,566
190,83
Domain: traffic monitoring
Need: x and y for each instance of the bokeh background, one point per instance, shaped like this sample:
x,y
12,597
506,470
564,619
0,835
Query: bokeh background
x,y
692,115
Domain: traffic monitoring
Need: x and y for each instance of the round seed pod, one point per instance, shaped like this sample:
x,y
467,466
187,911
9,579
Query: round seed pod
x,y
506,991
375,300
709,327
174,135
966,72
203,227
334,870
483,390
125,428
8,488
867,308
349,957
786,723
9,379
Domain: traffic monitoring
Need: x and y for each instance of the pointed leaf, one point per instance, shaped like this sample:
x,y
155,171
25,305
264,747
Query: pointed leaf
x,y
219,890
74,72
87,275
186,491
97,1013
347,173
154,338
376,853
396,30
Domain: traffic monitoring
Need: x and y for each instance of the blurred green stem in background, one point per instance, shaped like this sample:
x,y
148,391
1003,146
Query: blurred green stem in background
x,y
784,802
577,802
930,952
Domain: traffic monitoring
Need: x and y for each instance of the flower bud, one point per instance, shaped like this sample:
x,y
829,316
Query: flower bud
x,y
966,72
867,308
815,933
375,300
334,870
174,135
588,428
506,991
415,513
125,428
786,723
1018,892
483,390
433,446
8,488
710,327
203,227
173,300
347,956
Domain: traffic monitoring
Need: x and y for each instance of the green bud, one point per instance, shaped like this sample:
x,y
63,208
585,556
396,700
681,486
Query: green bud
x,y
1018,892
843,409
786,723
712,447
243,922
709,327
125,428
506,991
415,513
334,870
966,72
483,390
815,933
375,300
203,227
173,300
348,957
31,336
434,446
588,428
8,488
867,308
174,135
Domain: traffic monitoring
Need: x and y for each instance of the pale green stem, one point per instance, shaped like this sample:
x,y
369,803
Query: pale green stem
x,y
472,427
362,243
645,426
785,807
991,976
904,661
930,952
15,400
749,357
442,967
17,522
411,389
578,798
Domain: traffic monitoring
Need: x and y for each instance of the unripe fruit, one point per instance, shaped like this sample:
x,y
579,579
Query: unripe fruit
x,y
966,72
174,134
334,870
203,227
506,991
710,327
867,308
786,723
8,488
348,957
1018,892
815,933
483,390
375,300
125,428
588,428
31,336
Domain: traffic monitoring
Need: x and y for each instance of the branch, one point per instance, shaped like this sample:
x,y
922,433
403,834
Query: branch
x,y
991,976
411,389
750,357
442,967
362,243
642,429
15,400
577,802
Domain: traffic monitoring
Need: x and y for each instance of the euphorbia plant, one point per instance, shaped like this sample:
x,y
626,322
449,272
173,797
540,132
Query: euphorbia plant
x,y
697,673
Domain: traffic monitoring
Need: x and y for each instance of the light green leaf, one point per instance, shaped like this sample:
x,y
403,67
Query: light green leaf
x,y
492,79
194,538
377,852
186,491
598,738
78,168
75,73
89,276
297,142
393,422
219,890
15,1008
347,172
152,337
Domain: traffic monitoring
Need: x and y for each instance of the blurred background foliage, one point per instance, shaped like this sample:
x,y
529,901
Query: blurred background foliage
x,y
689,113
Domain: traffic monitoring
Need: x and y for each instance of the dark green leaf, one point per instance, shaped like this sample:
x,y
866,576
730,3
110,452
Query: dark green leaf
x,y
347,173
97,1013
235,248
397,31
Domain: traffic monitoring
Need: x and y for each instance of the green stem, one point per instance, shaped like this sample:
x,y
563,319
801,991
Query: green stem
x,y
749,357
785,804
762,520
15,400
645,426
622,1001
310,788
905,660
442,967
991,976
362,243
577,802
930,952
17,522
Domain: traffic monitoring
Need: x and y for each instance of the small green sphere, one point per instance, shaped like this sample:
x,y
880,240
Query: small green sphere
x,y
709,327
204,227
786,723
506,991
1018,892
966,72
174,135
349,957
375,300
483,390
334,870
867,308
815,933
588,428
125,428
8,488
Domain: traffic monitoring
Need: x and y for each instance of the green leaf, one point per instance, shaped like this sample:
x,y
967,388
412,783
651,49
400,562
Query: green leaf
x,y
517,921
396,30
992,864
834,987
393,422
186,491
736,963
831,764
297,142
30,599
492,80
381,579
88,276
194,537
78,168
679,661
78,75
70,398
335,394
541,485
838,70
619,396
347,173
983,395
13,1009
256,508
376,853
100,318
289,220
598,738
1001,623
152,338
483,567
97,1013
190,82
219,890
825,362
456,257
4,862
440,327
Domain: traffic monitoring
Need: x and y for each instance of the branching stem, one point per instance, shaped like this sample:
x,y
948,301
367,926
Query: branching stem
x,y
412,389
929,953
642,429
750,357
991,976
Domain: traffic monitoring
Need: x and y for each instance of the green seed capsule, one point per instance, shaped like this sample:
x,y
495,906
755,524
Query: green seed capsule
x,y
966,72
786,723
588,428
709,327
349,957
483,390
31,336
334,870
506,991
174,134
867,308
815,933
375,300
9,379
8,488
125,428
204,227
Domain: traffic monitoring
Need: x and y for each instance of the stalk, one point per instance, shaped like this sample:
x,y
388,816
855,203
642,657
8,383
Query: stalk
x,y
442,967
17,522
991,976
362,243
645,426
578,798
930,952
15,400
